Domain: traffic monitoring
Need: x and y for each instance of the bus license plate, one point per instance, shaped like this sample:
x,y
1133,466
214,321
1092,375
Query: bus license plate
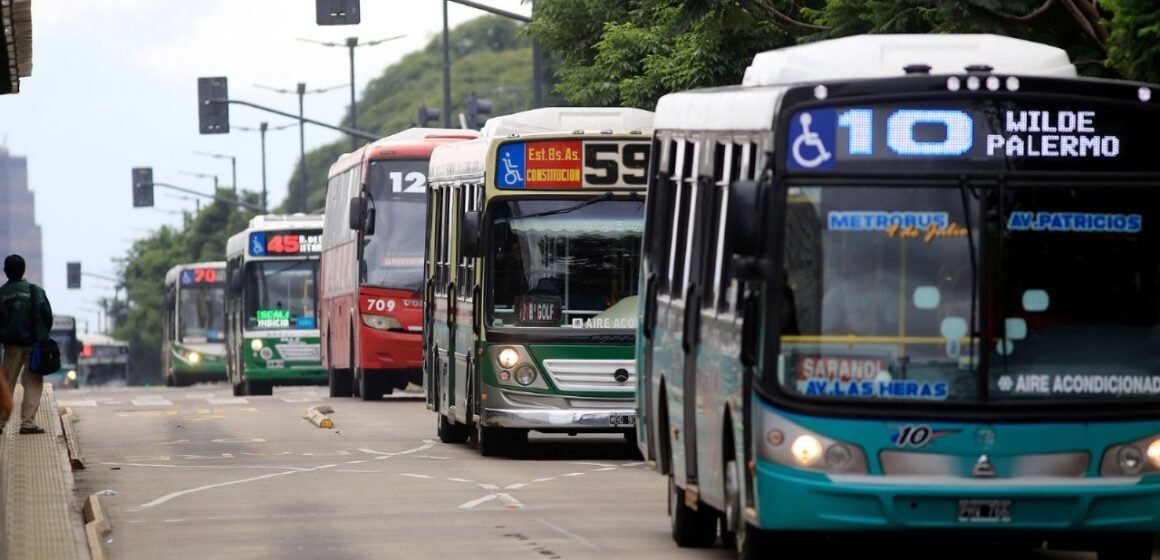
x,y
622,420
984,511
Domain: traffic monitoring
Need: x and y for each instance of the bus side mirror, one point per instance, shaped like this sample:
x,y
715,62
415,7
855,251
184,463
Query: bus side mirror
x,y
743,230
358,213
369,224
469,235
170,299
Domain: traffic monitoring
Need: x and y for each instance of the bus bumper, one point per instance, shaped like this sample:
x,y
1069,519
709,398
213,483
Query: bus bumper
x,y
551,413
288,376
791,499
386,350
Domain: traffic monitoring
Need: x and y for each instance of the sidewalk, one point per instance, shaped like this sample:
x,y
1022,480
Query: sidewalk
x,y
40,515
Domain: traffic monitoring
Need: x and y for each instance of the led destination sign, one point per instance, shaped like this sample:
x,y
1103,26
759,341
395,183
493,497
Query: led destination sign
x,y
202,276
572,164
279,243
974,135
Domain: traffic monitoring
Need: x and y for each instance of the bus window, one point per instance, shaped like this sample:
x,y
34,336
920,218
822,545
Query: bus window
x,y
281,295
565,262
394,254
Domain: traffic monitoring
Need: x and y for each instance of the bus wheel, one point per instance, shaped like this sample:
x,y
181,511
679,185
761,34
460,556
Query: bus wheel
x,y
500,442
369,388
169,381
340,382
1128,547
692,528
239,389
259,388
448,432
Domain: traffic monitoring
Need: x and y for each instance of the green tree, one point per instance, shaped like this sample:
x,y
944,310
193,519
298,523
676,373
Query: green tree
x,y
490,58
1135,38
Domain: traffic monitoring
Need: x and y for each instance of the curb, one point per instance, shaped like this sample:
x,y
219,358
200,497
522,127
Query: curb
x,y
67,418
96,527
317,415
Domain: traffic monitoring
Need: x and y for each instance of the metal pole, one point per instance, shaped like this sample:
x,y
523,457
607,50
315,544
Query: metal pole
x,y
215,184
302,144
446,70
351,43
262,130
234,172
537,72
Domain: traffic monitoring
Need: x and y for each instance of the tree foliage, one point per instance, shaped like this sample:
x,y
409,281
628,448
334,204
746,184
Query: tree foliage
x,y
139,321
630,52
490,58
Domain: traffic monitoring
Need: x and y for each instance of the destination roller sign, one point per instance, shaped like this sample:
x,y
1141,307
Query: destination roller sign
x,y
978,134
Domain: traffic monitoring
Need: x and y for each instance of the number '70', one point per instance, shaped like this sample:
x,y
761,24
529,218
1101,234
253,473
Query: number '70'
x,y
901,138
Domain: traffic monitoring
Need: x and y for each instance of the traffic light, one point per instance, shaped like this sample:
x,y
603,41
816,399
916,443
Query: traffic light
x,y
428,114
213,112
142,187
336,12
74,275
477,112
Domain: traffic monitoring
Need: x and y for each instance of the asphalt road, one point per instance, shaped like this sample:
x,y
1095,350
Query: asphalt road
x,y
198,473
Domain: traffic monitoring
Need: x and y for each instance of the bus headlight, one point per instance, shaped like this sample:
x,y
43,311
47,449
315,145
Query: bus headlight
x,y
525,375
806,450
72,375
256,344
194,358
381,322
508,357
1133,458
788,444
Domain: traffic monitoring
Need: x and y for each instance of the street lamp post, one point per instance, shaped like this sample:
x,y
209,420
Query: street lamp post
x,y
233,167
301,91
537,87
262,129
350,44
203,176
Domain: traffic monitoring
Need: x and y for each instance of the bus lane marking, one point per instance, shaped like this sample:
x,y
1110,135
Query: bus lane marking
x,y
417,475
180,493
171,466
76,403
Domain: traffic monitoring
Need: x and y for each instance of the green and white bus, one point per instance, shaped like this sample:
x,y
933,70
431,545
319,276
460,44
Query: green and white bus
x,y
272,335
533,247
193,348
906,287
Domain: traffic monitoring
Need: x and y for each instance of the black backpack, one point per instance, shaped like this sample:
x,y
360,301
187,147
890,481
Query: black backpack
x,y
45,358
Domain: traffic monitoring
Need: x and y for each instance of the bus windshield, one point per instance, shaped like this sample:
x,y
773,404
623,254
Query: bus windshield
x,y
281,295
394,254
566,262
879,281
202,314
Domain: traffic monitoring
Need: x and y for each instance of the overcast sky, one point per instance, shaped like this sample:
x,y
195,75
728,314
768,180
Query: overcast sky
x,y
114,85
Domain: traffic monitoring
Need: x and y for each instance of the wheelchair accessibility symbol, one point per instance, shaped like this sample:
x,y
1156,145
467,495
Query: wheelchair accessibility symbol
x,y
811,132
511,167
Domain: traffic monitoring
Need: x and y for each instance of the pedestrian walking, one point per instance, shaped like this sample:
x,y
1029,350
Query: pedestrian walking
x,y
25,320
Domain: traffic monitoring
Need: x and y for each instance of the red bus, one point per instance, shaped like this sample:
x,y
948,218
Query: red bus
x,y
371,279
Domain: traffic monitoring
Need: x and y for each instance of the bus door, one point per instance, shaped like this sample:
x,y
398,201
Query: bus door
x,y
698,190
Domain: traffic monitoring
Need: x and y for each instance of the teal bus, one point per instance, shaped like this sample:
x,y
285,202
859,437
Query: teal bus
x,y
272,335
533,252
904,287
193,346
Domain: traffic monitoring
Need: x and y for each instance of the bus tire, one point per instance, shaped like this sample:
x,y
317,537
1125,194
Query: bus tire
x,y
1128,547
500,442
340,382
692,528
258,388
449,432
370,388
239,389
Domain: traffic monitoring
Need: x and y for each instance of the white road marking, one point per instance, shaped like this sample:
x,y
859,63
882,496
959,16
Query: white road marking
x,y
574,474
198,396
293,469
427,444
76,403
417,475
228,400
174,495
293,400
636,464
152,401
355,462
477,501
510,502
515,486
593,464
356,471
545,479
605,469
489,487
568,533
460,480
432,457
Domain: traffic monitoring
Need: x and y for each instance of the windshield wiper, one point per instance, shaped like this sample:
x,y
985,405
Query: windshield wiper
x,y
573,208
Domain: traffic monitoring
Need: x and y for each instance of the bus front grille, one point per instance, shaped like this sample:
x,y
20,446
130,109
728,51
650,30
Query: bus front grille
x,y
592,375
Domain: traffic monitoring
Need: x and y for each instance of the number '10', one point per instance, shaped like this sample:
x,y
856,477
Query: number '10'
x,y
900,132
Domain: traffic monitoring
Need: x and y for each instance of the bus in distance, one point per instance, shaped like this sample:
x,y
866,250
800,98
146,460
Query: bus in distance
x,y
906,295
533,245
64,332
193,346
371,276
103,360
272,304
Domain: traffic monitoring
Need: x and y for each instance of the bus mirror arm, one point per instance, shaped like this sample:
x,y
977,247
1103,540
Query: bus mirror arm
x,y
469,234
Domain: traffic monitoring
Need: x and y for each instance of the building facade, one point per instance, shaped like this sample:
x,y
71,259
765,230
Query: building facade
x,y
19,232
